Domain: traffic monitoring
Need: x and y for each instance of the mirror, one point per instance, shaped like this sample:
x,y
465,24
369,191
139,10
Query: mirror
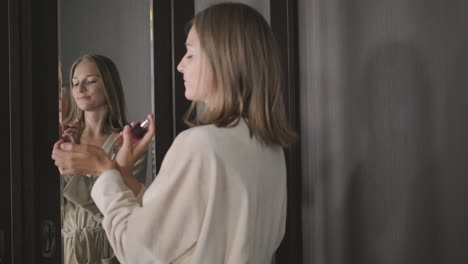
x,y
120,30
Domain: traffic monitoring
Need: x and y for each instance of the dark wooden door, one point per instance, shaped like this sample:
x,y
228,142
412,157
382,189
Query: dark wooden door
x,y
33,111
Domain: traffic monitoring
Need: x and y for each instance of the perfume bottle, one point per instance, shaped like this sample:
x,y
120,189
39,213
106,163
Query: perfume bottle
x,y
138,131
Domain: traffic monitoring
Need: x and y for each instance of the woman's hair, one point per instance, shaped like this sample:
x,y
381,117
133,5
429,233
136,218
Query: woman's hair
x,y
113,92
244,58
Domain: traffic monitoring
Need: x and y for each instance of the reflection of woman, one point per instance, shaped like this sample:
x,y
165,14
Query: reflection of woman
x,y
220,196
96,116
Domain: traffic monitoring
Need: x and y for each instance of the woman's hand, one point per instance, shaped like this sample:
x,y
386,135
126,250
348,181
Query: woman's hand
x,y
60,141
80,159
70,132
132,149
92,160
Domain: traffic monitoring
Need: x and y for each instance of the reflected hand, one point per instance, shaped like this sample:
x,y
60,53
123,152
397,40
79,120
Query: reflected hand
x,y
60,141
70,132
132,148
80,159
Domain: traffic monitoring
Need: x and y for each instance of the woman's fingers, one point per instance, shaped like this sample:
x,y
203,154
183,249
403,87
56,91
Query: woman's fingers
x,y
80,148
125,156
86,159
70,129
132,148
127,137
57,144
146,140
73,124
70,134
56,148
64,159
73,158
67,171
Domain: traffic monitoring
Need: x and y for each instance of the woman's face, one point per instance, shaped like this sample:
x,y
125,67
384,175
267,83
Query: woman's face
x,y
198,75
88,87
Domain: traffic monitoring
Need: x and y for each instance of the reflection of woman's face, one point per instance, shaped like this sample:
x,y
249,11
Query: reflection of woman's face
x,y
87,87
198,75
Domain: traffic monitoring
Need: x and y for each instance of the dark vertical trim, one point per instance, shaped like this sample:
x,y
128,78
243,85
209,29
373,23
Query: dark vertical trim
x,y
183,12
283,14
170,18
5,181
16,171
163,103
27,151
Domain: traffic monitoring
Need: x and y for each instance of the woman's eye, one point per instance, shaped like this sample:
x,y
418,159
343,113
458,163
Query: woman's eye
x,y
92,81
74,84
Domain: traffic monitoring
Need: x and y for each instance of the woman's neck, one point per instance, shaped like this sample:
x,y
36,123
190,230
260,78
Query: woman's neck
x,y
94,122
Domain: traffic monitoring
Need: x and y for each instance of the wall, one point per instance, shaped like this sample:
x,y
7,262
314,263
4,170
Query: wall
x,y
383,95
120,30
262,6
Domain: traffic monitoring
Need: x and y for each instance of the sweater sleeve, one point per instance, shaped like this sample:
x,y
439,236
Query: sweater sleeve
x,y
168,222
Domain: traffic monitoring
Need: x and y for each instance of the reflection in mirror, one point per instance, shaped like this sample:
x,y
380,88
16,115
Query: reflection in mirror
x,y
100,92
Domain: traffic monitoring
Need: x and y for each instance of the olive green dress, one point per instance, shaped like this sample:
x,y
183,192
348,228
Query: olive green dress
x,y
84,240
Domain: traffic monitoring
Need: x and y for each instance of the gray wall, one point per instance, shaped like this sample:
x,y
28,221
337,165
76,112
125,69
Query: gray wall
x,y
120,30
263,6
384,131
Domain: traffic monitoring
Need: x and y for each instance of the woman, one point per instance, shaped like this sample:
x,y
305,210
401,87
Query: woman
x,y
96,116
220,195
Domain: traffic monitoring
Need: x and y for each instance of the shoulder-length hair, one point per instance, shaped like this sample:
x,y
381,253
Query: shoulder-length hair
x,y
244,57
116,118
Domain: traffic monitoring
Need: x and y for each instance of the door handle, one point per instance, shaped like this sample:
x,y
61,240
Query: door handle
x,y
48,238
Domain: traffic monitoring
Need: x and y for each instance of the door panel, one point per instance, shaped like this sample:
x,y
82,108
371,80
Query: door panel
x,y
33,115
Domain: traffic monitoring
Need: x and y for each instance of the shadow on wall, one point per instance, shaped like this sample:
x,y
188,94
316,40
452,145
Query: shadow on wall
x,y
392,202
454,180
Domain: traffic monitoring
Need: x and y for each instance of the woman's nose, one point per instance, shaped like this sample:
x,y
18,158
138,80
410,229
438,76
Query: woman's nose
x,y
180,66
82,86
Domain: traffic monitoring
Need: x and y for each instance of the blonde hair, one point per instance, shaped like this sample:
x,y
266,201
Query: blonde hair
x,y
113,92
244,57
